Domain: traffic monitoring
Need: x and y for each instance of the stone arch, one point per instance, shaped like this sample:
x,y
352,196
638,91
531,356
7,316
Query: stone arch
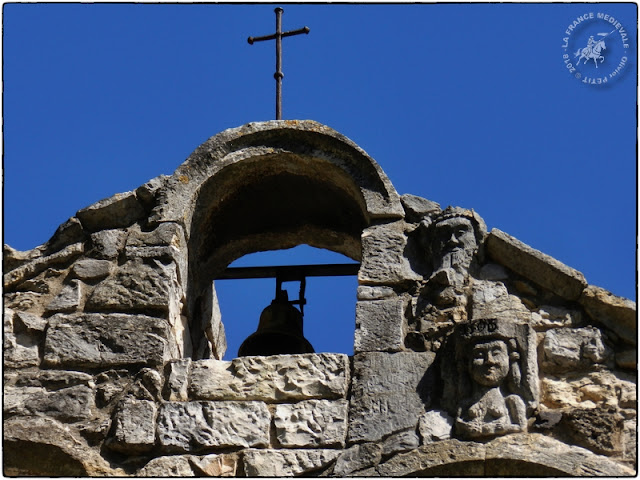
x,y
267,186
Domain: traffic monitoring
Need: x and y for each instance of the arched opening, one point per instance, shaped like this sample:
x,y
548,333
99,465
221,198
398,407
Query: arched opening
x,y
328,314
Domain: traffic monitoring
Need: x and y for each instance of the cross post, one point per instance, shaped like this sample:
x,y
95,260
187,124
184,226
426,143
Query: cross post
x,y
278,36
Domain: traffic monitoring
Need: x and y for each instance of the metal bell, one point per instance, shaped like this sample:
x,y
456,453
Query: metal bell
x,y
279,331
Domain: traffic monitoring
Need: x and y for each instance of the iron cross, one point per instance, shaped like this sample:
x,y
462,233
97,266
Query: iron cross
x,y
278,36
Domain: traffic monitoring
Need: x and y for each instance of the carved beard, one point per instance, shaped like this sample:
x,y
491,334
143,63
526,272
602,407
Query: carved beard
x,y
459,259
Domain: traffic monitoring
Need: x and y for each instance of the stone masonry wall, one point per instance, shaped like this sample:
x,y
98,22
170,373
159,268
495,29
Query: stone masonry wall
x,y
474,354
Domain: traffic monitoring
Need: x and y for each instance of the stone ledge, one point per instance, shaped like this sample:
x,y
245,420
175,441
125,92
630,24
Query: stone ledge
x,y
535,265
617,313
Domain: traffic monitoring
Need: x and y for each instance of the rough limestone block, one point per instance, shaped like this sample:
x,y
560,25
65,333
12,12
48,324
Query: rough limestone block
x,y
379,326
107,244
286,463
193,426
134,427
19,349
105,340
573,349
135,286
627,358
72,404
311,423
120,210
417,207
535,265
387,392
597,429
492,300
178,380
383,258
616,313
171,466
92,269
225,465
368,292
38,265
275,378
549,316
435,425
400,442
589,390
358,457
30,322
68,299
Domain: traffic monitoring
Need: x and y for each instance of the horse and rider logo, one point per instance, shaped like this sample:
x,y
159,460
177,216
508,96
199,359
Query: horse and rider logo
x,y
593,50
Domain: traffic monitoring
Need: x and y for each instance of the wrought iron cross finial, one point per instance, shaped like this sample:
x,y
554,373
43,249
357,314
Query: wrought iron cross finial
x,y
278,36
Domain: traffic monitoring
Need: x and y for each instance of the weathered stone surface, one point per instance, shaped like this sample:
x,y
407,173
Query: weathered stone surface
x,y
400,442
535,265
627,358
225,465
447,458
435,425
549,316
276,378
538,455
176,387
146,193
134,427
69,232
286,463
49,379
616,313
493,272
357,458
68,300
387,393
105,340
417,207
92,269
107,244
43,447
34,267
609,389
383,260
120,210
20,349
597,429
573,349
171,466
311,423
368,292
492,300
72,404
135,286
193,426
30,322
379,326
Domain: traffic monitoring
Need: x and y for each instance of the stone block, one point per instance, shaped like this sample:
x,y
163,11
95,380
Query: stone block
x,y
549,316
20,349
271,379
400,442
30,322
379,326
105,340
225,465
107,244
357,457
120,210
435,425
72,404
573,349
134,427
492,300
368,292
542,269
171,466
194,426
68,300
311,423
286,463
91,269
136,286
597,429
176,387
616,313
387,393
627,358
588,390
383,257
416,208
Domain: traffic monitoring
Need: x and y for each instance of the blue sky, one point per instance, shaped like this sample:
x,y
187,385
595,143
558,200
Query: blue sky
x,y
464,104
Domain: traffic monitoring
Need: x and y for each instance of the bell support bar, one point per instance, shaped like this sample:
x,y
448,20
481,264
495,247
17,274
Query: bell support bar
x,y
290,272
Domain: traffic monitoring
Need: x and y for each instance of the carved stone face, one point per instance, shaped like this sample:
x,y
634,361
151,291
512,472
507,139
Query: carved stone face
x,y
489,363
454,244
